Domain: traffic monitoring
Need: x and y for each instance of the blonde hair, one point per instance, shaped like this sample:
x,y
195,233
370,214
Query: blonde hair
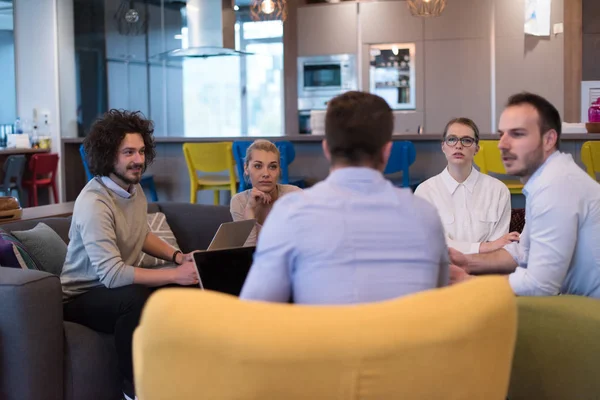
x,y
260,144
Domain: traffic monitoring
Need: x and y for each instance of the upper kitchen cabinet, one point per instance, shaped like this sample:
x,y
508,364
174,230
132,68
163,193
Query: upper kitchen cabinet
x,y
328,29
389,22
478,13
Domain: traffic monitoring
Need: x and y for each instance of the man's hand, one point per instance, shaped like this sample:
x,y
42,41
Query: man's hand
x,y
258,198
488,247
186,274
458,259
458,275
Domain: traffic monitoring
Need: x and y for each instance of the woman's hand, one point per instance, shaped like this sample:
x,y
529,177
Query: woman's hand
x,y
258,198
499,243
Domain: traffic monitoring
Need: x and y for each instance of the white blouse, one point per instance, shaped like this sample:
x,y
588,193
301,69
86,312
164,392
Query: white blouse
x,y
475,211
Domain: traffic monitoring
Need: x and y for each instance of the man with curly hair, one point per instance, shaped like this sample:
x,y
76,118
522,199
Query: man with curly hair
x,y
102,289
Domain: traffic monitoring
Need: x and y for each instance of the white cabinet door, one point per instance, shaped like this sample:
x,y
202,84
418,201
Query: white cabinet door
x,y
389,22
328,29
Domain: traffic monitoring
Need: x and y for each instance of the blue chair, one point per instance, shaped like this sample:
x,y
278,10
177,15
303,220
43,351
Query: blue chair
x,y
403,155
239,148
147,181
288,154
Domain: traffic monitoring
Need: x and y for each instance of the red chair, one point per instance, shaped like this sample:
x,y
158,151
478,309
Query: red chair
x,y
42,168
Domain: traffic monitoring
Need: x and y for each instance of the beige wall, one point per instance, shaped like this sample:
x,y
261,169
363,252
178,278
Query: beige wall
x,y
529,63
454,71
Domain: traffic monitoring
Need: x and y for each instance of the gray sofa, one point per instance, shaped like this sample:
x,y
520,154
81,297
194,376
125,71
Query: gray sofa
x,y
43,357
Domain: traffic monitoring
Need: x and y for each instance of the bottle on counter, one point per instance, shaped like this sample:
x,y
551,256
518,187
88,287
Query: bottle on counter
x,y
18,126
43,140
594,111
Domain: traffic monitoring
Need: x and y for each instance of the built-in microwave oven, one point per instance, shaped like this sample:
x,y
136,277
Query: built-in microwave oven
x,y
326,76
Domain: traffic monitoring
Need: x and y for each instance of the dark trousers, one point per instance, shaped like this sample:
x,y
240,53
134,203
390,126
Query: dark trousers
x,y
115,311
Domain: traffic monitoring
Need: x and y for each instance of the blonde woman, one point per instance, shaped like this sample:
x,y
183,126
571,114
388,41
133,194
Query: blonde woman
x,y
262,169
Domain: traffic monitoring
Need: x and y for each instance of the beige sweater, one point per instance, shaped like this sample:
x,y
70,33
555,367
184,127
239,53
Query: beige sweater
x,y
106,238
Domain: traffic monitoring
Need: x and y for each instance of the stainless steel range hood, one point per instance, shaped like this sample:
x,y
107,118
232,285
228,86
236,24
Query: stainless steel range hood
x,y
205,32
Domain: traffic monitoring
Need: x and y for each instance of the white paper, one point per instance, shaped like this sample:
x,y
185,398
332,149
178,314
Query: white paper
x,y
537,17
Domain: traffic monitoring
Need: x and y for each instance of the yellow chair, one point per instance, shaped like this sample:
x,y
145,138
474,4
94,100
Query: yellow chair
x,y
590,155
420,347
489,159
210,158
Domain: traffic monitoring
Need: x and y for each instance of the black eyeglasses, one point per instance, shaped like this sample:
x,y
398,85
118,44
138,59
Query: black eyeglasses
x,y
466,141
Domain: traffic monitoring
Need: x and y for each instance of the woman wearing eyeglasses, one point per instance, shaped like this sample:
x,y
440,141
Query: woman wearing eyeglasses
x,y
474,208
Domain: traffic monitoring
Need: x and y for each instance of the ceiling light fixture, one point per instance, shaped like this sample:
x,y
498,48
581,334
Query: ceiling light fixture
x,y
426,8
268,10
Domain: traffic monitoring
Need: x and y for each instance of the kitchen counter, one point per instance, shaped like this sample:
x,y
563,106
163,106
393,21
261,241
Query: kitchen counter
x,y
319,138
172,180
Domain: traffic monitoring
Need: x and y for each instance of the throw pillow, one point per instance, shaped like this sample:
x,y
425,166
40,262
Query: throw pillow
x,y
8,258
44,244
159,226
13,254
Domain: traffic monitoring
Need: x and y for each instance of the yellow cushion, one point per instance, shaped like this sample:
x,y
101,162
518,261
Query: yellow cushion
x,y
451,343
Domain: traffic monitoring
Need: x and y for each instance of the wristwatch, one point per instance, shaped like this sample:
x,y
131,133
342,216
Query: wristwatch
x,y
175,256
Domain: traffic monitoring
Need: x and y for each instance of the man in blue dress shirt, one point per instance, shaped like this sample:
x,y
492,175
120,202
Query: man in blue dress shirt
x,y
354,237
559,249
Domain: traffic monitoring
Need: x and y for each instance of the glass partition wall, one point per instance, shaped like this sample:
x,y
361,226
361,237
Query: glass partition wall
x,y
123,56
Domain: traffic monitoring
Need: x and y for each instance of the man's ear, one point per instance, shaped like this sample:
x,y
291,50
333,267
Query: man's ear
x,y
550,140
326,150
387,151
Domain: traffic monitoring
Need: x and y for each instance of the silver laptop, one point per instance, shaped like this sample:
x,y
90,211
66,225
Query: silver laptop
x,y
232,234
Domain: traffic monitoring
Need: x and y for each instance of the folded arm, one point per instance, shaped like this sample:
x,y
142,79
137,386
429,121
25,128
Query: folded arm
x,y
498,261
553,226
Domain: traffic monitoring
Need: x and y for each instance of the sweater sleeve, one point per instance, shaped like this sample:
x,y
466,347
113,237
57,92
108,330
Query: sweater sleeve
x,y
99,239
236,208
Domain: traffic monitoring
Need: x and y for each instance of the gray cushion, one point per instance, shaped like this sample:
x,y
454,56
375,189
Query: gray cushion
x,y
45,245
61,225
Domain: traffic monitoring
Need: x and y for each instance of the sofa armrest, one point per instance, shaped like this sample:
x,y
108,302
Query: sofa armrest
x,y
194,225
31,335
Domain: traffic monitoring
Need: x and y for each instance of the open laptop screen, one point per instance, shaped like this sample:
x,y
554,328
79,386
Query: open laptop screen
x,y
224,270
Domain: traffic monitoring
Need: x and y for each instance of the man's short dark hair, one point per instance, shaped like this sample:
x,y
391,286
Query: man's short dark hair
x,y
549,117
357,127
463,121
107,133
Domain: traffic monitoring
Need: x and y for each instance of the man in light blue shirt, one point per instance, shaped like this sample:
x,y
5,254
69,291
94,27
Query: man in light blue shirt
x,y
559,250
354,237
